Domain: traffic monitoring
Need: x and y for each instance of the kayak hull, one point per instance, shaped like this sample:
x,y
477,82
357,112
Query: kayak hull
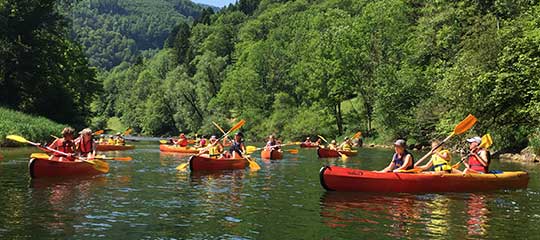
x,y
356,180
45,168
309,145
112,147
329,153
177,149
272,155
199,163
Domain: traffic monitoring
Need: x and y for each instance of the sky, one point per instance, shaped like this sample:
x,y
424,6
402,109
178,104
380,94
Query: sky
x,y
217,3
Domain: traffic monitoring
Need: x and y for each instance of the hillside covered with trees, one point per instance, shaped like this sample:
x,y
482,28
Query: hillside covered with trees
x,y
390,68
116,31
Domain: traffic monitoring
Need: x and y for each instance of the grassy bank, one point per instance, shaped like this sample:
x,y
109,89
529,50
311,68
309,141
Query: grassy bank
x,y
33,128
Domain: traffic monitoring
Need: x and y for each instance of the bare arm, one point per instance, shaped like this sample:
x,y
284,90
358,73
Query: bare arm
x,y
405,164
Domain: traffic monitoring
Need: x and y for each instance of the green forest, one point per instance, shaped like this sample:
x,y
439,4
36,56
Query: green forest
x,y
388,68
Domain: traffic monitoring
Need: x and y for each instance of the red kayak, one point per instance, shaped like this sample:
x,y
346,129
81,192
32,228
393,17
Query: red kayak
x,y
113,147
356,180
272,155
329,153
309,145
200,163
41,167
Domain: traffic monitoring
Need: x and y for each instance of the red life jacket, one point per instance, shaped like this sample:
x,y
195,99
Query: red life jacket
x,y
63,146
85,147
183,142
476,165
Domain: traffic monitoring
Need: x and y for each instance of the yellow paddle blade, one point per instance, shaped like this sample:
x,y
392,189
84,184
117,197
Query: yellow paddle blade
x,y
486,141
163,141
99,132
321,137
39,155
357,135
251,148
99,165
253,165
414,170
17,138
343,156
237,126
218,127
182,167
292,151
465,125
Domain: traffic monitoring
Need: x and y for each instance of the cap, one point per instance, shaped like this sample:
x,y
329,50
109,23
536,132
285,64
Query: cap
x,y
213,137
400,143
333,141
346,138
475,139
307,138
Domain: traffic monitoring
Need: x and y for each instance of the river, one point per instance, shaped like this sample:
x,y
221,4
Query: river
x,y
148,199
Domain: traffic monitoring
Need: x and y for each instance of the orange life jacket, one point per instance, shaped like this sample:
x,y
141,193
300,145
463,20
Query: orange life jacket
x,y
85,147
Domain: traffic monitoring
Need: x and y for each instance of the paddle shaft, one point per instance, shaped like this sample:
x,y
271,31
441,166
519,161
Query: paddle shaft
x,y
433,150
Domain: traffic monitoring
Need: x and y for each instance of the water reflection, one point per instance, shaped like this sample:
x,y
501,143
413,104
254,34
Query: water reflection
x,y
406,214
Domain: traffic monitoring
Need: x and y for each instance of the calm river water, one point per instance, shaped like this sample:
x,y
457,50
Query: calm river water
x,y
148,199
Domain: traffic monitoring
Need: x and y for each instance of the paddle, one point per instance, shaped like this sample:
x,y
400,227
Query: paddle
x,y
252,149
252,164
486,142
343,156
460,128
123,159
128,131
98,132
98,165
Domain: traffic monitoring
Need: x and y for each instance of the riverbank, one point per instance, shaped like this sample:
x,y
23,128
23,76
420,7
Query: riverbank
x,y
34,128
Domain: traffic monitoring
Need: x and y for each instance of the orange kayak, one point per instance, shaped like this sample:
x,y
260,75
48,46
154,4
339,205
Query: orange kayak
x,y
329,153
113,147
177,149
273,155
200,163
356,180
45,168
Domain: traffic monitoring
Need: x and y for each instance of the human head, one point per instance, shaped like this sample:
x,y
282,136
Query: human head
x,y
86,133
213,139
434,144
474,142
271,137
333,142
400,145
182,135
238,136
308,138
67,133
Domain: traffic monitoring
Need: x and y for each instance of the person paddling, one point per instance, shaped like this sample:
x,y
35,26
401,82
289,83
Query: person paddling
x,y
85,145
119,140
401,160
182,140
237,148
333,145
346,145
478,159
307,141
64,144
440,160
271,144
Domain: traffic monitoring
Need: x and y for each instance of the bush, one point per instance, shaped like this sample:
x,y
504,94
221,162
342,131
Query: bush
x,y
36,129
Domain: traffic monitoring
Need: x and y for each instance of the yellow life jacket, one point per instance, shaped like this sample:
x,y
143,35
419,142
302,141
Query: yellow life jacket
x,y
110,141
439,163
346,147
214,150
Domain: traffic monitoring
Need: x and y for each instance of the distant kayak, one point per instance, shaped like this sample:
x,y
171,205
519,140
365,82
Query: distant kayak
x,y
309,145
177,149
113,147
41,167
273,155
329,153
356,180
200,163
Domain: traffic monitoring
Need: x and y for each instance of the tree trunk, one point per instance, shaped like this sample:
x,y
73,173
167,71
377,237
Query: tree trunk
x,y
339,119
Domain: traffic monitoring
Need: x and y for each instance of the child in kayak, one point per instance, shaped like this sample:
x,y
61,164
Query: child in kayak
x,y
346,145
401,160
64,144
440,160
478,159
85,145
237,148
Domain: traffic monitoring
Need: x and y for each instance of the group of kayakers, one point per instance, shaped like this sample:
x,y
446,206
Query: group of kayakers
x,y
216,149
82,146
476,161
346,145
112,140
